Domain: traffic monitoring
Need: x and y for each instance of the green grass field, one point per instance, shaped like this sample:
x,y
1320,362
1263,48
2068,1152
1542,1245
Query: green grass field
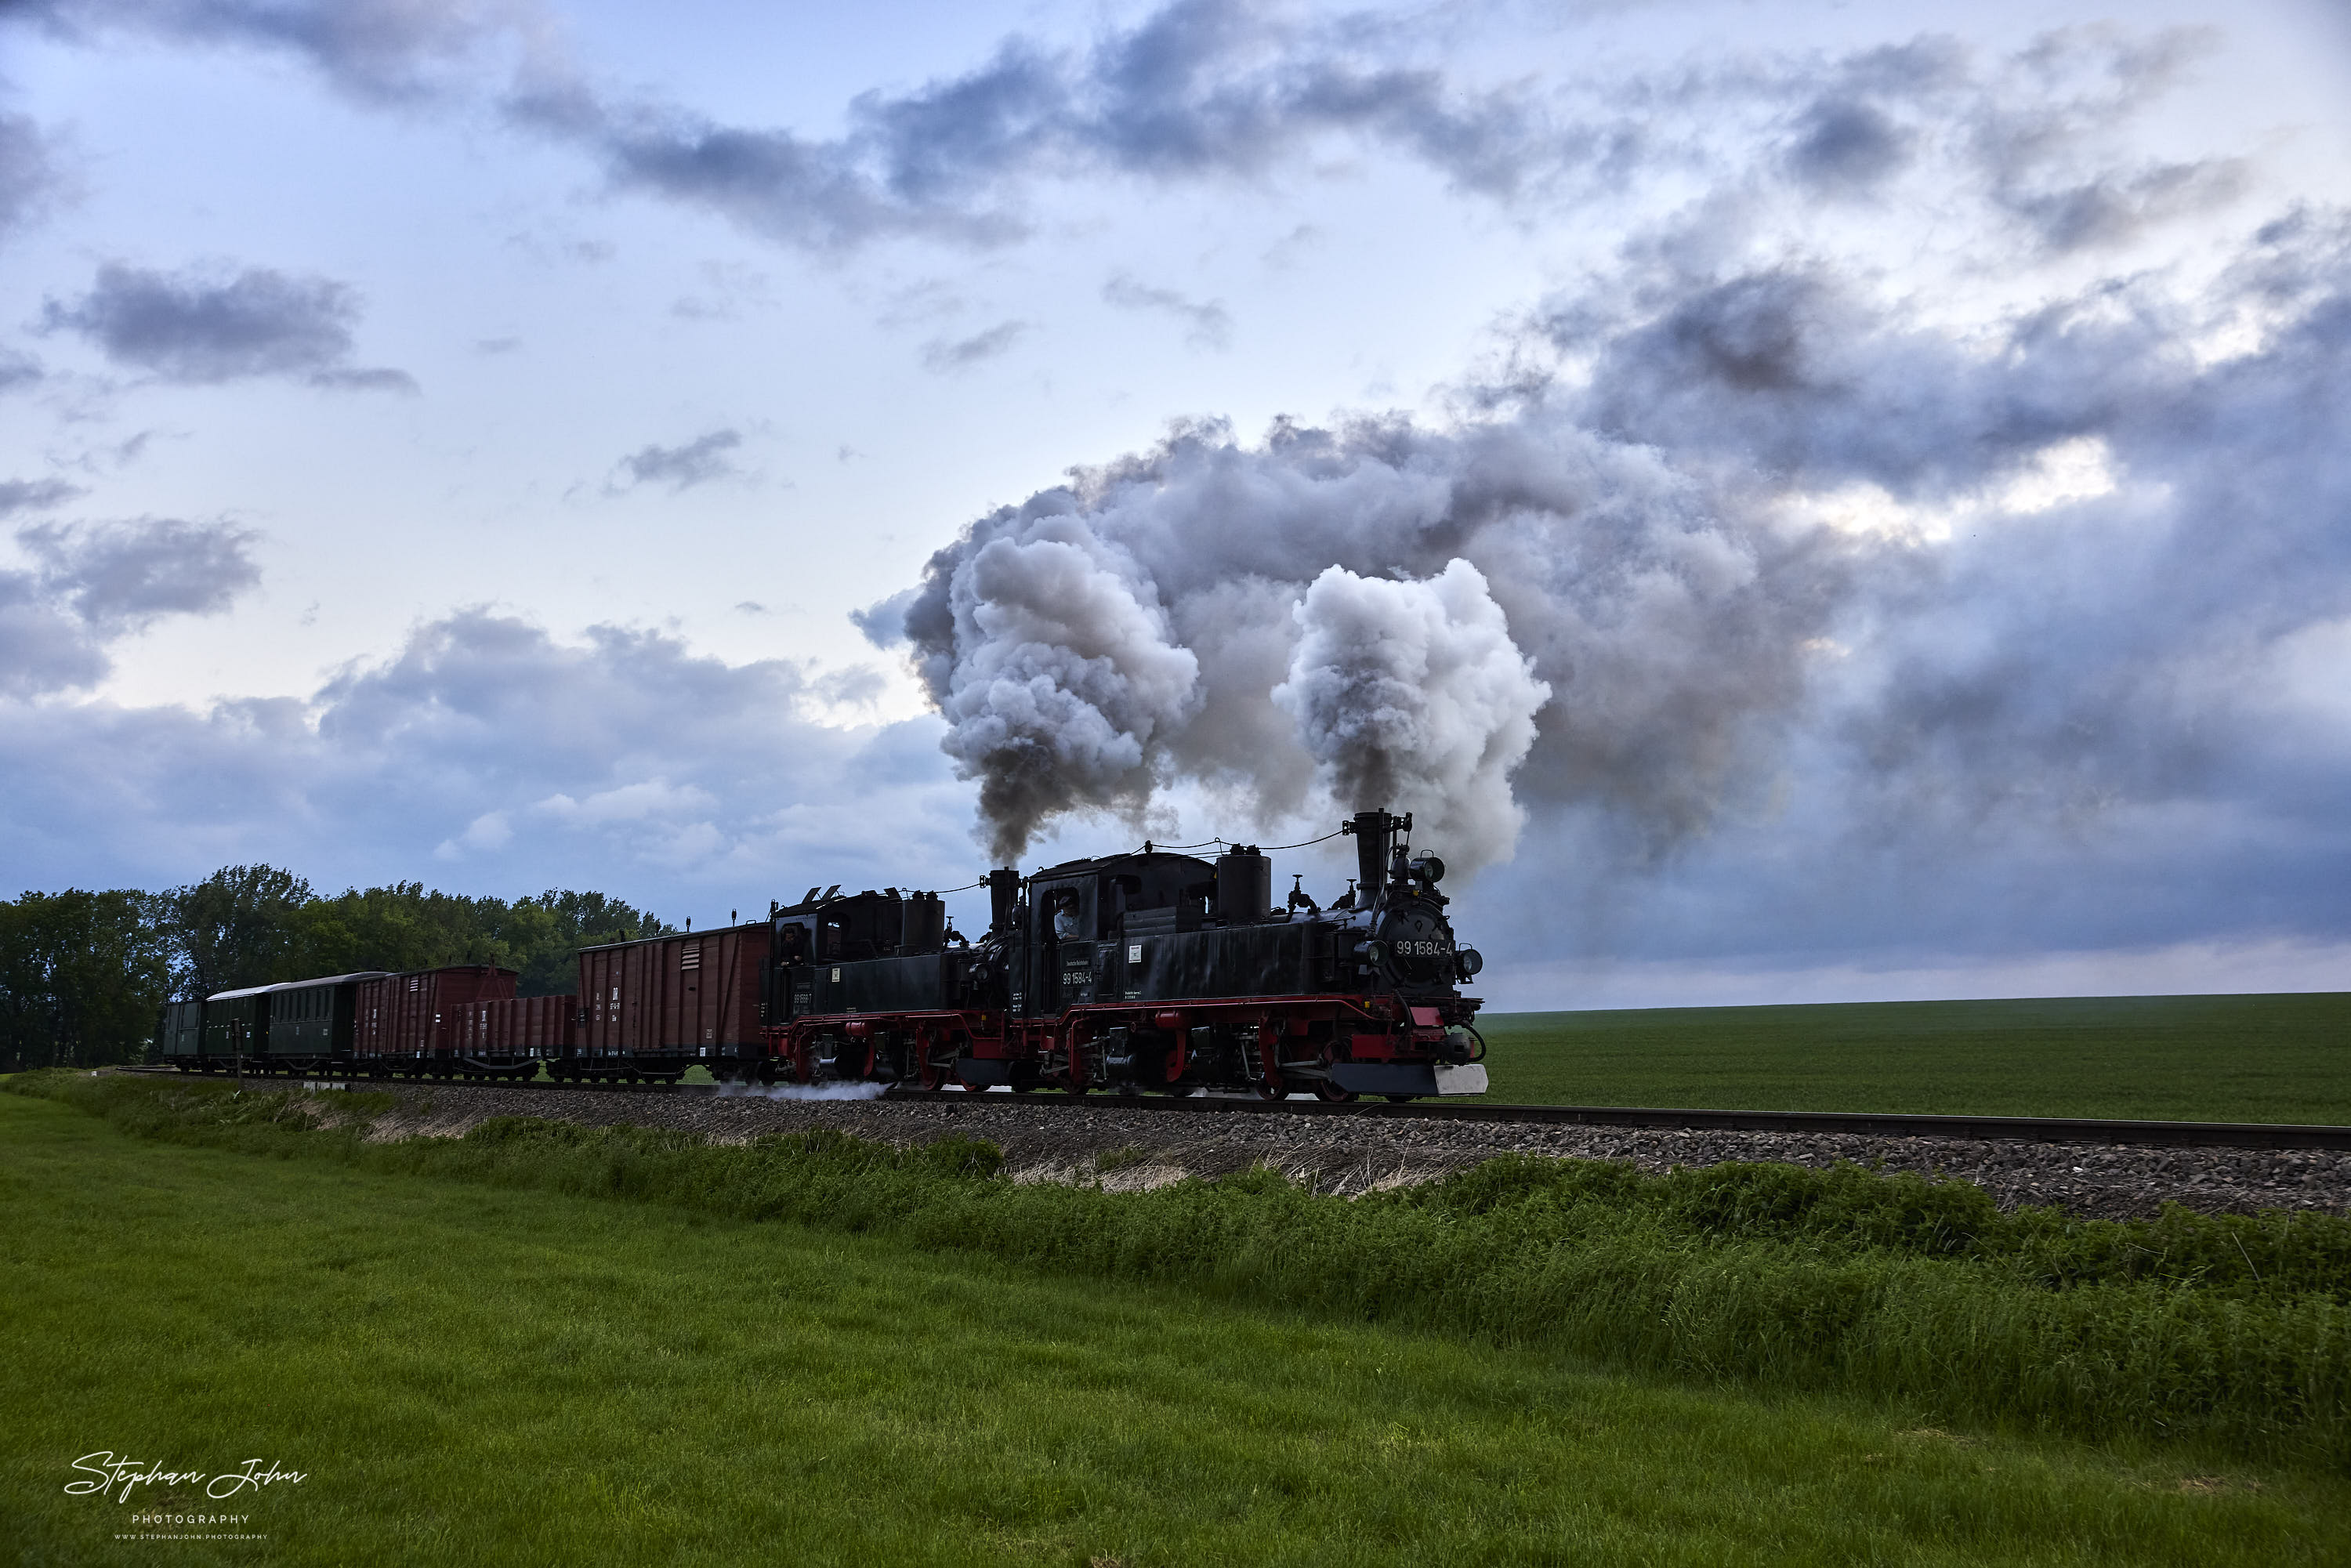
x,y
470,1373
2203,1058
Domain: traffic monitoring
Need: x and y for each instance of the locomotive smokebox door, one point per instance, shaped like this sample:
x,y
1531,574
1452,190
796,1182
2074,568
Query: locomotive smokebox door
x,y
1419,946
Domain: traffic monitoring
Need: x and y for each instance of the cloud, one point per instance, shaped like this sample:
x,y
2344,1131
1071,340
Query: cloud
x,y
1847,144
30,176
697,462
1205,91
380,51
34,495
1199,89
1208,324
489,831
202,330
123,577
17,368
630,803
944,356
515,758
92,584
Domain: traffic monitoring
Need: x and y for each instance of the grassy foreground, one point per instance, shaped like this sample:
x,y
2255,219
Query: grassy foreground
x,y
2233,1333
478,1373
2199,1059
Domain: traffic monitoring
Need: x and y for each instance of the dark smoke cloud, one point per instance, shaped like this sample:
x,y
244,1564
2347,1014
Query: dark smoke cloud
x,y
93,583
200,330
1161,620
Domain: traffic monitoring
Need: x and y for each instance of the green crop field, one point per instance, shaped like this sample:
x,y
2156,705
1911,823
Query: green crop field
x,y
484,1373
2201,1058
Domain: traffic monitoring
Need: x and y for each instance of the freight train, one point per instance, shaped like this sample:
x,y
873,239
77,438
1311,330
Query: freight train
x,y
1151,971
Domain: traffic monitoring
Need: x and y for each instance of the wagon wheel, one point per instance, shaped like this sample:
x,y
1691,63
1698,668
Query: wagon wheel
x,y
1273,1089
1330,1094
1077,1084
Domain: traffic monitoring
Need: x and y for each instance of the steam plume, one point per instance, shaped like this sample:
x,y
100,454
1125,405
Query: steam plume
x,y
1413,692
1370,615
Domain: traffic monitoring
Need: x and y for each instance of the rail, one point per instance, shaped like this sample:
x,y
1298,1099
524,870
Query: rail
x,y
1867,1124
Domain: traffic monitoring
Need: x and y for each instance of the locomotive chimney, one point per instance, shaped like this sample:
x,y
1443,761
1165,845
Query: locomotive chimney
x,y
1003,891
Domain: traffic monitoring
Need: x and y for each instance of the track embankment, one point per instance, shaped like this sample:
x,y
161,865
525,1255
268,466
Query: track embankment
x,y
1139,1145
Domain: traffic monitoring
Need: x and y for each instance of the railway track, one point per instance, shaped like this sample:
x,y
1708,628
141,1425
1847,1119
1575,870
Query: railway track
x,y
1872,1123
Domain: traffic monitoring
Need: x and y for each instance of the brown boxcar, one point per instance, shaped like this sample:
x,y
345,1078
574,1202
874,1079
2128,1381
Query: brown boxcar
x,y
657,1007
411,1023
520,1028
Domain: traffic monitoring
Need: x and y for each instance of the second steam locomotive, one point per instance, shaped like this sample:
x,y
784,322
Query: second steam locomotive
x,y
1150,971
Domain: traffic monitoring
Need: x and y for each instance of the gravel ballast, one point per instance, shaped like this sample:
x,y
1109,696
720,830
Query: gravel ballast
x,y
1126,1147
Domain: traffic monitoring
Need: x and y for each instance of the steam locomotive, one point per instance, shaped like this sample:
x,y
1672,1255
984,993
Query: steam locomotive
x,y
1150,971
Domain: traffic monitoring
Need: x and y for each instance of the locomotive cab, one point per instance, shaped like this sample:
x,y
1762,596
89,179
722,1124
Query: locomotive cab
x,y
1081,914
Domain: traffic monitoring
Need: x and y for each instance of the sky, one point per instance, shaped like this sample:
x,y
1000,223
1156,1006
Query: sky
x,y
1802,502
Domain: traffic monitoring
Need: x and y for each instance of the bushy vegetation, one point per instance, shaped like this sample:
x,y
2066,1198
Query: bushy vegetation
x,y
82,974
2233,1333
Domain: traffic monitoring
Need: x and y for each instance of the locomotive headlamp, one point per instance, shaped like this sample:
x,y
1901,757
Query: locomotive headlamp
x,y
1470,960
1429,869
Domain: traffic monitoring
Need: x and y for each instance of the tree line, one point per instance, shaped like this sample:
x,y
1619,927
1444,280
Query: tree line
x,y
83,974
